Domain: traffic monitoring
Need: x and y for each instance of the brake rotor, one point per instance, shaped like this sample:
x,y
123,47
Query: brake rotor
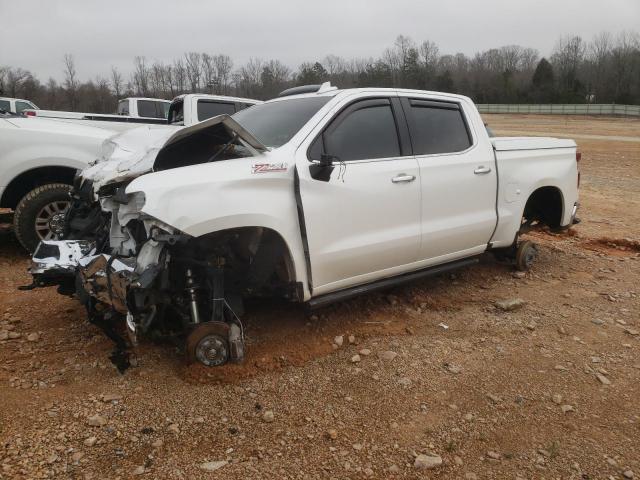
x,y
208,344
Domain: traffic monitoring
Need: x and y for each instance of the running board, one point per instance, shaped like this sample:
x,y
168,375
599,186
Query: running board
x,y
346,294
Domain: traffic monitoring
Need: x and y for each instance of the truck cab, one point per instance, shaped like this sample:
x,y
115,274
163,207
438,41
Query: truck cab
x,y
190,109
142,107
16,105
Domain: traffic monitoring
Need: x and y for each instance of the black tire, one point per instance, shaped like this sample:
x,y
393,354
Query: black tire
x,y
31,210
526,255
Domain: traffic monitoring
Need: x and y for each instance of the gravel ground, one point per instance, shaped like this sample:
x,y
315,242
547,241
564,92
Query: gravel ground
x,y
482,374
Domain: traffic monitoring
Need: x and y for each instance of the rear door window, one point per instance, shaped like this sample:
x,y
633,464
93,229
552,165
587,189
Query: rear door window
x,y
437,127
5,105
366,130
209,108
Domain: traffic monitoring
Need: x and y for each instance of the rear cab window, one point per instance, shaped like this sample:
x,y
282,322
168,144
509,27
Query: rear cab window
x,y
437,127
5,105
151,109
211,108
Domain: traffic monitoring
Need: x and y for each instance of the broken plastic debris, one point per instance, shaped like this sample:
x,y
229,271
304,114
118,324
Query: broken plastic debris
x,y
443,325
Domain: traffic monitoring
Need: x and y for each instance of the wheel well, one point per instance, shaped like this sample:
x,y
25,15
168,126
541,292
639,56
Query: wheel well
x,y
27,181
259,255
545,206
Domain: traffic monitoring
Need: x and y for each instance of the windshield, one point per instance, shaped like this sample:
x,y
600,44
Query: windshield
x,y
275,123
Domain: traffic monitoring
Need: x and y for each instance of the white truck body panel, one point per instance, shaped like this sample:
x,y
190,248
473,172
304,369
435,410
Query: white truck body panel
x,y
29,143
526,164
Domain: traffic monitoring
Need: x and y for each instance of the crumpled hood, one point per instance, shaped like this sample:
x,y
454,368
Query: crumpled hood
x,y
132,153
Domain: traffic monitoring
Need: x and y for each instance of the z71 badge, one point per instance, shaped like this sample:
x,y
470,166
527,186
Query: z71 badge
x,y
269,167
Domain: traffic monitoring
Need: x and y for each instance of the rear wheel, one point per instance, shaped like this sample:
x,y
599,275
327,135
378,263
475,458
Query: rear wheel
x,y
40,214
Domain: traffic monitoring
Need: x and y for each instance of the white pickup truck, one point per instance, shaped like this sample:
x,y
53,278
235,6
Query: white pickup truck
x,y
315,196
131,113
39,156
184,110
192,108
16,105
38,161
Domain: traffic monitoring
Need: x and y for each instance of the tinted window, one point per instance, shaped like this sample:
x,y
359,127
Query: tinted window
x,y
208,109
437,128
21,106
5,105
176,112
150,109
123,107
274,123
369,132
164,108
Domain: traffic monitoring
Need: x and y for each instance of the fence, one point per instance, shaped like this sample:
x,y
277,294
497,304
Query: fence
x,y
563,109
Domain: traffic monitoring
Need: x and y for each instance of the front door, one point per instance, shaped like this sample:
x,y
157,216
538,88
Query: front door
x,y
362,213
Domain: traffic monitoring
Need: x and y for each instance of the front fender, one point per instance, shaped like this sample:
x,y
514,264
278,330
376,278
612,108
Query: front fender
x,y
207,198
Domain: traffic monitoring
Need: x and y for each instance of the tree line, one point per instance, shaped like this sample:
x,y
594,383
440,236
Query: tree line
x,y
605,69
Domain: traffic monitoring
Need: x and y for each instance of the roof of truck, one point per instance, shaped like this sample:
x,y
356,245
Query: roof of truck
x,y
206,96
146,98
326,89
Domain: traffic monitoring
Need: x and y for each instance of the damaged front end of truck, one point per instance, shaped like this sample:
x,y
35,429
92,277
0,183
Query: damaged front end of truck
x,y
132,271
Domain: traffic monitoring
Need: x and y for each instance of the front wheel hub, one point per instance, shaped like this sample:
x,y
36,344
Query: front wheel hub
x,y
208,344
212,351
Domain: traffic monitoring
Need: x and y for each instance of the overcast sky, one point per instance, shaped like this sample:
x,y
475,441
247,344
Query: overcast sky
x,y
35,34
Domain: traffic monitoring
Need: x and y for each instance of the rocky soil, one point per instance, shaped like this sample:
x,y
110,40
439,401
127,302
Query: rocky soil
x,y
483,374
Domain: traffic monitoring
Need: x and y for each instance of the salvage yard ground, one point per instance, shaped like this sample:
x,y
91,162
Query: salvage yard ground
x,y
550,389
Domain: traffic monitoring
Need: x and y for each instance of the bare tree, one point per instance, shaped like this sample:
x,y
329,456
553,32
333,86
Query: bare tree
x,y
429,53
224,66
141,76
70,79
179,76
208,72
193,62
567,57
116,82
250,76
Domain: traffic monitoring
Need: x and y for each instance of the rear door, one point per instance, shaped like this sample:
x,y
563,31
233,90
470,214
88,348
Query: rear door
x,y
458,180
362,214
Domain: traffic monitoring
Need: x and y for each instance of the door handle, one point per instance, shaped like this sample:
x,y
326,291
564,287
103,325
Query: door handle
x,y
403,178
481,170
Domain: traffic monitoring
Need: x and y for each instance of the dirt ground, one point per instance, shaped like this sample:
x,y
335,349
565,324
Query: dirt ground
x,y
549,390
